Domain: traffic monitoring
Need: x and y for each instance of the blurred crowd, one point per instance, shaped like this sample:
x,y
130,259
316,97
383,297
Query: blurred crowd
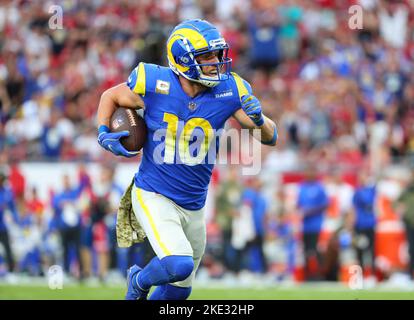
x,y
312,227
342,97
74,228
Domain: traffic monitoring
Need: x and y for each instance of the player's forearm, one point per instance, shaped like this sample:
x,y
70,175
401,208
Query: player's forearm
x,y
118,96
106,108
268,132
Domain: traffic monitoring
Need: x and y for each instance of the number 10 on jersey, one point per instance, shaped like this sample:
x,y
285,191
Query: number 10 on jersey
x,y
202,138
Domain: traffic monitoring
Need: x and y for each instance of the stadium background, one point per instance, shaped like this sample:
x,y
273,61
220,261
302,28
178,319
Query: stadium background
x,y
342,99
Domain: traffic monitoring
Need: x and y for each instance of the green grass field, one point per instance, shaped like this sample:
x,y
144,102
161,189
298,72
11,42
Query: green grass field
x,y
79,292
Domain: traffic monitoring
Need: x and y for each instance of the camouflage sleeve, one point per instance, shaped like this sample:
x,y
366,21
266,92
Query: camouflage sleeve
x,y
128,229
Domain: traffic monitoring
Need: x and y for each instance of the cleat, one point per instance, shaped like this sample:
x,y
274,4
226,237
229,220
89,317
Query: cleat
x,y
134,292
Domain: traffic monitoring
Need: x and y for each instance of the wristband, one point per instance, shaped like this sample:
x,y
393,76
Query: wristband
x,y
103,129
260,121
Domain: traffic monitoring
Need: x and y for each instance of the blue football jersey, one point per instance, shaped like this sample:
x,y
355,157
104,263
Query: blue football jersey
x,y
182,140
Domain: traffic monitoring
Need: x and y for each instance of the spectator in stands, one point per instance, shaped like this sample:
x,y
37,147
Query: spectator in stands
x,y
30,240
99,210
312,202
291,15
34,204
85,202
7,202
263,28
67,69
107,194
365,221
280,244
253,196
67,215
341,254
17,181
405,207
227,206
393,19
344,97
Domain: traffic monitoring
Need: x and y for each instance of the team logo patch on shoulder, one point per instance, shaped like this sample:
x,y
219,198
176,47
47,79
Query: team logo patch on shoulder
x,y
224,94
162,87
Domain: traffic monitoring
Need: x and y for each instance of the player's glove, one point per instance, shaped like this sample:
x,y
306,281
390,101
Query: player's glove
x,y
111,141
251,106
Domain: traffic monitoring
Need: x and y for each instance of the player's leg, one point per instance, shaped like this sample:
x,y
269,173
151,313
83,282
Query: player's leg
x,y
65,240
195,231
86,251
4,239
162,223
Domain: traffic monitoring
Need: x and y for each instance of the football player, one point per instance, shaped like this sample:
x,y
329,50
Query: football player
x,y
196,94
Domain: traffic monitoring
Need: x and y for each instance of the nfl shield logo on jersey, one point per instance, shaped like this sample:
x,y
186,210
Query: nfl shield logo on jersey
x,y
192,106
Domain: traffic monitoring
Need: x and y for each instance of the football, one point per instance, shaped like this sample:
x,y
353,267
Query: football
x,y
126,119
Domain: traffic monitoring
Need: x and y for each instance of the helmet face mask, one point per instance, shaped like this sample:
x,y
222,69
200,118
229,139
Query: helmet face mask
x,y
222,68
189,41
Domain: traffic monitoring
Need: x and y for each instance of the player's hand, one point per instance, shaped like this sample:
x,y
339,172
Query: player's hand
x,y
111,141
251,106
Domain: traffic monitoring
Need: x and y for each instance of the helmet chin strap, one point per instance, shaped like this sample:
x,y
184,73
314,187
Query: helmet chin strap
x,y
207,82
204,82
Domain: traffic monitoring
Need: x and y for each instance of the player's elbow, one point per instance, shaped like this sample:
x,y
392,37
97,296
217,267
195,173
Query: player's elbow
x,y
273,140
109,94
272,144
116,93
121,95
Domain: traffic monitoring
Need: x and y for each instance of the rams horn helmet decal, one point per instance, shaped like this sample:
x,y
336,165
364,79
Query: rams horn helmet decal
x,y
190,39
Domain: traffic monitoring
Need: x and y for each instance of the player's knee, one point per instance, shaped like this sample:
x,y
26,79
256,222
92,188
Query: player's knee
x,y
178,267
176,293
